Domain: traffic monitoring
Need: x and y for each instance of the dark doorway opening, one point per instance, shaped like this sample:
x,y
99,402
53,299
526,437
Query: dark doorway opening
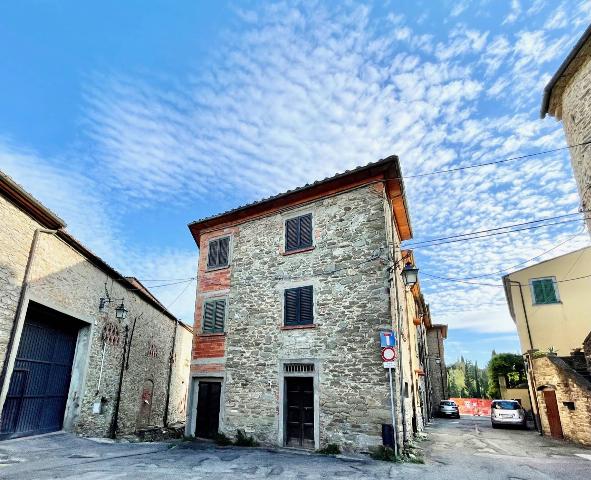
x,y
40,381
300,412
208,409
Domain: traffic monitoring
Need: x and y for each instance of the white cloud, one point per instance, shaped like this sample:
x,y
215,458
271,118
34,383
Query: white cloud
x,y
514,13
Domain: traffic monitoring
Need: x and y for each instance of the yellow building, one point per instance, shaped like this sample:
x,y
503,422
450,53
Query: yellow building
x,y
550,302
550,305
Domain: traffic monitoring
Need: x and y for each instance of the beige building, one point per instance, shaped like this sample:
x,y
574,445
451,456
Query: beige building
x,y
549,303
82,348
567,98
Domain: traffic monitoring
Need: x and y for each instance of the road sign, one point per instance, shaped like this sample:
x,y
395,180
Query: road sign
x,y
389,354
389,364
387,339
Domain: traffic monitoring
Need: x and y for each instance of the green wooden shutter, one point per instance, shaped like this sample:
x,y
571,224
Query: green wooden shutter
x,y
305,231
549,291
220,314
212,257
208,317
306,306
291,234
291,306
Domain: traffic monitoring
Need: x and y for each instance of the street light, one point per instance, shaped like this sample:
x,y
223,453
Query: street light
x,y
410,274
121,312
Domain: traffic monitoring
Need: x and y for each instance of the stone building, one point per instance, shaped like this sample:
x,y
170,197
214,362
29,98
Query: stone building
x,y
67,363
567,97
293,292
436,334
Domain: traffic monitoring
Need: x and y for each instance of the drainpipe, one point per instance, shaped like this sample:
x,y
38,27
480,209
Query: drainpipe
x,y
115,419
21,301
170,362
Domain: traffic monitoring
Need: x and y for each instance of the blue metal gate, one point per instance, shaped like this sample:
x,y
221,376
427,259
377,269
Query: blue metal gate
x,y
40,381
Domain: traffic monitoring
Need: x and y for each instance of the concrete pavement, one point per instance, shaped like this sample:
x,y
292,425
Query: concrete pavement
x,y
468,448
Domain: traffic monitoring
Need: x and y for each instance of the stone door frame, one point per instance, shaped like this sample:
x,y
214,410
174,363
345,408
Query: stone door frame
x,y
282,419
193,399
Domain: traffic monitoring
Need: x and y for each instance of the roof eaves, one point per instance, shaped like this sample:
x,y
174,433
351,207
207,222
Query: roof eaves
x,y
29,204
563,66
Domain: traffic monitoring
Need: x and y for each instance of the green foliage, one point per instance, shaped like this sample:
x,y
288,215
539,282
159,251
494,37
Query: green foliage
x,y
466,380
222,439
330,449
385,454
509,365
243,440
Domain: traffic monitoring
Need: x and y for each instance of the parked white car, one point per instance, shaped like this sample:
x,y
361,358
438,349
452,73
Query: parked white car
x,y
507,412
448,408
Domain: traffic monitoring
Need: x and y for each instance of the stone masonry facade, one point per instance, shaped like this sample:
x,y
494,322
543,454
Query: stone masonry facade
x,y
348,269
437,369
571,102
571,390
66,281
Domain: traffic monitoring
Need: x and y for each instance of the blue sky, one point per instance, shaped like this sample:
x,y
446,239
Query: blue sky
x,y
130,119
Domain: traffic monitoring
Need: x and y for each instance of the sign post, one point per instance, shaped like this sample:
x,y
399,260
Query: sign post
x,y
389,355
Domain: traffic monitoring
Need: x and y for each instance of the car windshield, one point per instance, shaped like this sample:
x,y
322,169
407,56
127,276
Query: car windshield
x,y
448,404
506,405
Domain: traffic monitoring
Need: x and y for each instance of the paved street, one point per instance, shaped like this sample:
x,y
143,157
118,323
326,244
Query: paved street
x,y
468,448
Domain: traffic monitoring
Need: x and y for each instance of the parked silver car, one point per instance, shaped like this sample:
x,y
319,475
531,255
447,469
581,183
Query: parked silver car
x,y
449,408
507,412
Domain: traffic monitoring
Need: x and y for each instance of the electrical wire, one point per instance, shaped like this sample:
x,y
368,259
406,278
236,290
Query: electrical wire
x,y
531,227
488,230
496,162
178,296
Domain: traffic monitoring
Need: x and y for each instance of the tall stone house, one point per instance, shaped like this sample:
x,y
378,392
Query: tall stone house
x,y
82,348
567,97
436,334
549,303
293,292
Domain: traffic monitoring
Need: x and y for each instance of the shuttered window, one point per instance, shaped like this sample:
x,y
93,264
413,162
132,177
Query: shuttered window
x,y
544,290
298,232
299,306
218,253
214,313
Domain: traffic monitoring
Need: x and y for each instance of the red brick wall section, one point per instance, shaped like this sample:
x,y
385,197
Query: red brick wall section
x,y
210,346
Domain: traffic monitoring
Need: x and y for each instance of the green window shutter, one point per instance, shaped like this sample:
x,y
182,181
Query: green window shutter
x,y
208,317
544,291
220,313
549,291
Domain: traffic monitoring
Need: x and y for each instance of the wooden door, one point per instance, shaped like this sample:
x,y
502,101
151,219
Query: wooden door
x,y
208,409
300,412
145,404
552,413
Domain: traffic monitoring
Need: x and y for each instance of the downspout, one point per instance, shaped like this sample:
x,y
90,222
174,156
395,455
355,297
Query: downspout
x,y
21,300
115,419
170,363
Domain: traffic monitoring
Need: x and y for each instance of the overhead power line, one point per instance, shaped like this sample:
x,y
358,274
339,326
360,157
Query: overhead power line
x,y
495,162
494,231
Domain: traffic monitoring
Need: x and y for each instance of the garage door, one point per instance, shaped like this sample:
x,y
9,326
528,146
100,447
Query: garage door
x,y
40,381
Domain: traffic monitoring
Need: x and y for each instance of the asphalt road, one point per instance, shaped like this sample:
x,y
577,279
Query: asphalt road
x,y
456,449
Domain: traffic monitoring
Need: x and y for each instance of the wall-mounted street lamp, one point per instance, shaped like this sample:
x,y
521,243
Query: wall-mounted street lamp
x,y
410,275
120,311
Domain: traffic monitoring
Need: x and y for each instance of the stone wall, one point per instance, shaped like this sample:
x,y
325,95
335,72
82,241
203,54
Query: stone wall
x,y
576,118
554,374
437,371
64,280
351,307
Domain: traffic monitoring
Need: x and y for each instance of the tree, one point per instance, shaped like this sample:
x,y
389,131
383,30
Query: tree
x,y
509,365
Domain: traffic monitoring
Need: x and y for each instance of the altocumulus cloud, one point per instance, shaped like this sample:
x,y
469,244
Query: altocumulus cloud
x,y
298,92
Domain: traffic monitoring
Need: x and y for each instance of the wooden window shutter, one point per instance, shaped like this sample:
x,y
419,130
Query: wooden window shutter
x,y
306,305
212,256
291,306
305,231
224,246
208,316
299,306
291,234
220,313
549,291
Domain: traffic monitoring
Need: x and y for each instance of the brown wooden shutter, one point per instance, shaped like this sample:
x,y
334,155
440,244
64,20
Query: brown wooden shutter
x,y
306,306
291,306
212,256
291,234
305,231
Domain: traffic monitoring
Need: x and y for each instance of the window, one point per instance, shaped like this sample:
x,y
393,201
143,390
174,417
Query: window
x,y
218,253
214,313
298,232
544,290
299,307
